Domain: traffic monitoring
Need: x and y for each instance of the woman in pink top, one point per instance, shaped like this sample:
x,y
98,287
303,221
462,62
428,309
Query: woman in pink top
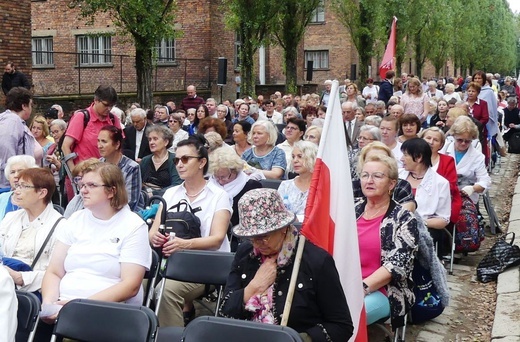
x,y
388,238
414,100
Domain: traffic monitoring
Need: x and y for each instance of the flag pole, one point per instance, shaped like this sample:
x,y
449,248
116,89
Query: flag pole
x,y
292,283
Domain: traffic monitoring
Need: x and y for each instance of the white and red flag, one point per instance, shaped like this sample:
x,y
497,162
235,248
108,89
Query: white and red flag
x,y
330,219
388,62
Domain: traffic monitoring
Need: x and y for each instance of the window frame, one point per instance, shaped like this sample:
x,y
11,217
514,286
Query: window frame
x,y
96,53
314,53
318,15
163,47
42,51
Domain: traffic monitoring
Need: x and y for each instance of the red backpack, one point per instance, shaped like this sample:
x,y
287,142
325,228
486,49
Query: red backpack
x,y
468,232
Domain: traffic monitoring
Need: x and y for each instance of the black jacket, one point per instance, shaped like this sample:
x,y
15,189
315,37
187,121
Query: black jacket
x,y
16,79
319,305
386,90
129,144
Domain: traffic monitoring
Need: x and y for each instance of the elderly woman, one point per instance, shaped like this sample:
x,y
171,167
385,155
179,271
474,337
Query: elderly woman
x,y
450,93
241,131
213,125
264,155
414,100
294,131
175,124
103,252
76,203
473,177
223,114
434,93
409,127
309,113
158,169
367,134
28,234
295,191
192,164
13,167
257,285
388,242
432,191
313,134
110,142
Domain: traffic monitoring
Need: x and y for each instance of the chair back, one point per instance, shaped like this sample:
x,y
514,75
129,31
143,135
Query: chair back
x,y
271,183
91,320
150,276
199,266
219,329
28,310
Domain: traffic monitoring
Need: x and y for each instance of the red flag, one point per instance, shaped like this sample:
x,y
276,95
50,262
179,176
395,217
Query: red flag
x,y
388,62
330,220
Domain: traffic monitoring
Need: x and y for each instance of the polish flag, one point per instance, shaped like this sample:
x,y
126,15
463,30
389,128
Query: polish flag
x,y
388,62
330,219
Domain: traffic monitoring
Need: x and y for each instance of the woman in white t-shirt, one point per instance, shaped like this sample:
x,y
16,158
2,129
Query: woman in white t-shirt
x,y
191,161
103,252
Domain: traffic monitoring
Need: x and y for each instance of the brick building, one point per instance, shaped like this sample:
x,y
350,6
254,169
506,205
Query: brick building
x,y
15,36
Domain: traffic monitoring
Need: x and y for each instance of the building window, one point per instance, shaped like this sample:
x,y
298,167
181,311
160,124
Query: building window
x,y
320,59
95,50
42,51
318,16
238,44
166,51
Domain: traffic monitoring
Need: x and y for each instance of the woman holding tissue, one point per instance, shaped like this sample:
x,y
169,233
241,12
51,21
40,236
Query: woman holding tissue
x,y
102,253
191,161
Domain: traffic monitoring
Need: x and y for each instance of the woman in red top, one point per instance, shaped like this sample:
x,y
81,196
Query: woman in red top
x,y
478,109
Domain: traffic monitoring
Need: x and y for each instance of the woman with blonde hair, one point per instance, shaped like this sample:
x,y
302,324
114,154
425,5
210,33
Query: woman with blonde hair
x,y
40,130
313,134
414,100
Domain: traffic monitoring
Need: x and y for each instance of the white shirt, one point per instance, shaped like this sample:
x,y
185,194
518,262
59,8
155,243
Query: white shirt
x,y
8,307
276,118
97,249
398,154
138,138
373,91
211,200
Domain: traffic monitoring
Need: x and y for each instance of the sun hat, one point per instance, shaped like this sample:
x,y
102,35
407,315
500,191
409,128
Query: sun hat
x,y
261,211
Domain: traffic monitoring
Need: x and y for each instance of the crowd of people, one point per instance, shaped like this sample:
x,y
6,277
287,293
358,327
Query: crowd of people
x,y
417,150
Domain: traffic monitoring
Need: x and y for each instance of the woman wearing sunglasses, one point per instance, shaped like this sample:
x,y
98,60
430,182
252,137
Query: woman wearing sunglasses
x,y
103,252
158,170
191,162
473,177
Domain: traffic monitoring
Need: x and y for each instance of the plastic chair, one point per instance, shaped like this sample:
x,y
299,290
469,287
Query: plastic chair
x,y
219,329
270,183
91,320
194,266
28,311
151,276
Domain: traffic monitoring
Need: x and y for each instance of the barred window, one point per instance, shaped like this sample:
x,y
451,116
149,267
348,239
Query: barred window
x,y
94,50
166,51
42,51
320,58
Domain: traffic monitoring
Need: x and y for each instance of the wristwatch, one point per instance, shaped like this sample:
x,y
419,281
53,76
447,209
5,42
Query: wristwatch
x,y
366,289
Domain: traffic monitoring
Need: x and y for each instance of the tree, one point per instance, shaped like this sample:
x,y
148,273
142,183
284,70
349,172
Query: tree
x,y
146,22
364,20
290,23
251,20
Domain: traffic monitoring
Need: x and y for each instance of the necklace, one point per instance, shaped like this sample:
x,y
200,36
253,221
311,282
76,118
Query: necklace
x,y
369,217
415,177
198,193
160,161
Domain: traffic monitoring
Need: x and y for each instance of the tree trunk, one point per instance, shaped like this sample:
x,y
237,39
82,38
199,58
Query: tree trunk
x,y
144,71
291,78
247,52
418,56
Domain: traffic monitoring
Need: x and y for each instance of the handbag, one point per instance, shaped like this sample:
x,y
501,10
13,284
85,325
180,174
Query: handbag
x,y
179,219
502,255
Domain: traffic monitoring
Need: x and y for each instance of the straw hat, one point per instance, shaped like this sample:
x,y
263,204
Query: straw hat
x,y
261,211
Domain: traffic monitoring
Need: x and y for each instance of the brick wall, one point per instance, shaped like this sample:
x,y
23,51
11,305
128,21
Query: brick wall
x,y
15,36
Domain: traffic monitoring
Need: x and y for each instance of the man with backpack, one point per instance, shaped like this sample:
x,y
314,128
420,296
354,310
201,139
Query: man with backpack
x,y
84,126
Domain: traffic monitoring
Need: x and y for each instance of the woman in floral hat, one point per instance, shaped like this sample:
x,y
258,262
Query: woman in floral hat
x,y
257,286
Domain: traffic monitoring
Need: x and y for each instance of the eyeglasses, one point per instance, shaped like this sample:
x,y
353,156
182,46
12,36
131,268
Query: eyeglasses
x,y
264,239
191,114
21,186
106,104
376,176
90,185
364,139
463,141
225,178
184,159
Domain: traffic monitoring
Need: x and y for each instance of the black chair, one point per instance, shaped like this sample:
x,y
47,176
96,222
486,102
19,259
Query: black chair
x,y
195,266
271,183
219,329
151,276
28,311
92,320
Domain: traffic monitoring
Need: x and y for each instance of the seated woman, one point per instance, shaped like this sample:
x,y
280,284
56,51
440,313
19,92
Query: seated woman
x,y
192,164
367,134
102,252
175,124
294,131
313,134
409,127
210,124
257,285
12,170
158,169
388,242
473,178
76,203
110,146
294,192
224,114
23,233
264,155
432,191
241,131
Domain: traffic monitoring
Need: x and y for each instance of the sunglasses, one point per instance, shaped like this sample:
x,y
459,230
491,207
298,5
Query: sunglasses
x,y
184,159
463,141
